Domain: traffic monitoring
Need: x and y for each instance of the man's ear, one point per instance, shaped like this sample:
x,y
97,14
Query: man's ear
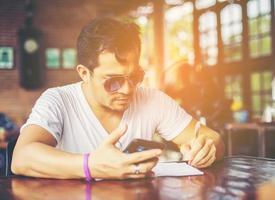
x,y
83,72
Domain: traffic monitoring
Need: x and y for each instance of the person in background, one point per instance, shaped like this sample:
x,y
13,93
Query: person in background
x,y
79,130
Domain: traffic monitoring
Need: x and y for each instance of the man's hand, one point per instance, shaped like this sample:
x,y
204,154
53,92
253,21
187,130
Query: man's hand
x,y
108,162
200,152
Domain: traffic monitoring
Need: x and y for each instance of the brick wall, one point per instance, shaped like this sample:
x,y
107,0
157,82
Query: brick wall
x,y
60,22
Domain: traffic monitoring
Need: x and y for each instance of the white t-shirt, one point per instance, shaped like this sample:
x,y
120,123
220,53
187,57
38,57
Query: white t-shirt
x,y
65,113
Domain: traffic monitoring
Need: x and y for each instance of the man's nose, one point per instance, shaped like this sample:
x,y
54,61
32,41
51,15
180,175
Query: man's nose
x,y
126,88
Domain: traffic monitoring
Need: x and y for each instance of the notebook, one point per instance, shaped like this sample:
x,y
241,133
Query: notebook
x,y
175,169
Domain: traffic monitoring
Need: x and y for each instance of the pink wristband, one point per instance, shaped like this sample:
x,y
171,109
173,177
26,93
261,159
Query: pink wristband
x,y
86,167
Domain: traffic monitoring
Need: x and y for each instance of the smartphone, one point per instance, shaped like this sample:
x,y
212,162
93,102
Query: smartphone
x,y
138,145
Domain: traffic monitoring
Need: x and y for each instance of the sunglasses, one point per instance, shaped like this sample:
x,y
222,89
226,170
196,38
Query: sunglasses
x,y
113,84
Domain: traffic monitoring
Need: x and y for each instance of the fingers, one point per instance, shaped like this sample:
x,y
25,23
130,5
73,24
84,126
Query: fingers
x,y
135,176
145,169
115,135
196,146
208,162
185,149
204,152
142,156
205,160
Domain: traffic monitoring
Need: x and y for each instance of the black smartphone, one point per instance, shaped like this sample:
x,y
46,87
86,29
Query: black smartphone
x,y
138,145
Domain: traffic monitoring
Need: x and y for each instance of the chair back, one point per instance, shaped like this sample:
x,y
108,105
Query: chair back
x,y
9,152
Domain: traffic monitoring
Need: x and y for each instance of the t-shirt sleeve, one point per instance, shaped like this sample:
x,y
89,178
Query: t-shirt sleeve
x,y
47,113
171,118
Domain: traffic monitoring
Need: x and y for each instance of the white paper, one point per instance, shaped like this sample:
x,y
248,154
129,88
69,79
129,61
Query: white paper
x,y
175,169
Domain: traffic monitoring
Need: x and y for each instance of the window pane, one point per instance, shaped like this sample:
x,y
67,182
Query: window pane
x,y
260,28
265,46
237,12
253,47
267,79
252,9
69,58
232,32
255,82
203,41
204,3
6,57
179,37
265,6
237,39
261,90
207,21
267,100
53,58
233,53
265,24
231,13
253,27
226,34
237,28
256,103
225,16
233,86
212,38
212,20
238,53
212,51
208,38
211,61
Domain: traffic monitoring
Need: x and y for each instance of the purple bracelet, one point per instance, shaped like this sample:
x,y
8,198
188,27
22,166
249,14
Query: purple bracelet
x,y
86,169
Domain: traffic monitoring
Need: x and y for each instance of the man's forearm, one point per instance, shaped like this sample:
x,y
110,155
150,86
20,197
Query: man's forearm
x,y
40,160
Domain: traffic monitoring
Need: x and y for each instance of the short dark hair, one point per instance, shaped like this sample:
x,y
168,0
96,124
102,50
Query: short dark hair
x,y
106,34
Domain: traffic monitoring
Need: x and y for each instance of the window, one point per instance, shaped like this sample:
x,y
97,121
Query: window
x,y
146,29
53,58
200,4
259,27
233,90
261,91
231,28
179,40
6,58
208,38
69,58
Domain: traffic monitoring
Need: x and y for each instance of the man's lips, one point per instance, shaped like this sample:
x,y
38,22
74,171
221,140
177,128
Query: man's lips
x,y
123,99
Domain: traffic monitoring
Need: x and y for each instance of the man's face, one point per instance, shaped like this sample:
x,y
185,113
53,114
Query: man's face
x,y
108,69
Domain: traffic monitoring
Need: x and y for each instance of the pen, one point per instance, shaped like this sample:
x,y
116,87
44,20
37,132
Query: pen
x,y
197,129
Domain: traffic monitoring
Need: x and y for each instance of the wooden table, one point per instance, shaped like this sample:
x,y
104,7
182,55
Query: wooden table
x,y
233,178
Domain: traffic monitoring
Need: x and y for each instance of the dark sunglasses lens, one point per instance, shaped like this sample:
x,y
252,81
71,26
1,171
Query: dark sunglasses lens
x,y
113,84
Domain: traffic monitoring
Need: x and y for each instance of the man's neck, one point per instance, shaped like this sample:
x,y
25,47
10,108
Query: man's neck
x,y
99,110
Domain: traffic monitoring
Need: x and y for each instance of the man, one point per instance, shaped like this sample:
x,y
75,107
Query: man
x,y
79,130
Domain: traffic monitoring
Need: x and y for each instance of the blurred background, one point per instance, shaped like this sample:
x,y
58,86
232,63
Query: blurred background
x,y
216,58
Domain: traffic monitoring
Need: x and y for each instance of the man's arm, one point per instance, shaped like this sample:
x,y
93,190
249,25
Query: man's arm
x,y
35,155
203,150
